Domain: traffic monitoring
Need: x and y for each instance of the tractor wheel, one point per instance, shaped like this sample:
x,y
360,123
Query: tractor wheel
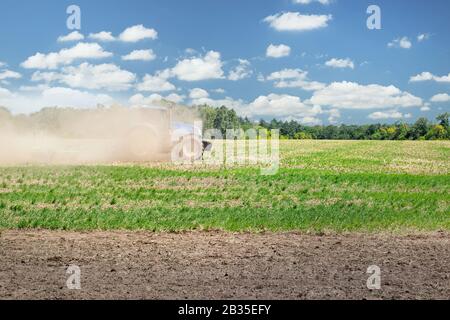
x,y
191,148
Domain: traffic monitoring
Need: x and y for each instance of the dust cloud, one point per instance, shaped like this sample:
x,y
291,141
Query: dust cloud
x,y
89,136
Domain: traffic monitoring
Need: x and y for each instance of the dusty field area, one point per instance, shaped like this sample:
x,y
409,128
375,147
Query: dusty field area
x,y
218,265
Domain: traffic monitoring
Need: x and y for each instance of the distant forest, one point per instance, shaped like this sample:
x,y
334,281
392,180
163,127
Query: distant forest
x,y
223,118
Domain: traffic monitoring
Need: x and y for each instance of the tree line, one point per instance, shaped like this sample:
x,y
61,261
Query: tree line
x,y
224,118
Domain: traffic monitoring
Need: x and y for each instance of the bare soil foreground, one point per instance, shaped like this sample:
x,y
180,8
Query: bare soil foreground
x,y
219,265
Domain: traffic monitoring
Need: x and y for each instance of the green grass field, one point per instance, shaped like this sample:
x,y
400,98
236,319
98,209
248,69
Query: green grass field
x,y
321,186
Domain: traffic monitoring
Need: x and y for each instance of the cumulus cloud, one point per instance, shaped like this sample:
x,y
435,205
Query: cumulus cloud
x,y
428,76
5,93
340,63
200,96
441,97
8,74
67,97
423,36
390,114
294,21
294,78
425,108
275,105
333,115
73,36
198,93
138,33
104,36
140,55
51,97
104,76
66,56
47,77
199,68
227,102
350,95
242,71
34,88
403,43
156,83
140,100
278,51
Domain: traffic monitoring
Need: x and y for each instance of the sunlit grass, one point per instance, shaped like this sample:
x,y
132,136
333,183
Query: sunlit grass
x,y
321,185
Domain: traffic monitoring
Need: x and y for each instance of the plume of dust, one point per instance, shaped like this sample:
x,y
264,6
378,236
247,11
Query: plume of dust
x,y
89,136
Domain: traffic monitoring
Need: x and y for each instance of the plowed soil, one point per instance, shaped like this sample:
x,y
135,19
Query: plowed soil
x,y
220,265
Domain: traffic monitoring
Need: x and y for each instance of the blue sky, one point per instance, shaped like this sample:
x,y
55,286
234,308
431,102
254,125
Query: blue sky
x,y
315,61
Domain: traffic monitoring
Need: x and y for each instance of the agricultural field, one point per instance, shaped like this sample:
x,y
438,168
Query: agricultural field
x,y
321,185
161,231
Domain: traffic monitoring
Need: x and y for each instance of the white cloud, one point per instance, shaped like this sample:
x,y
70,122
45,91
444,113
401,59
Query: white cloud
x,y
219,90
242,71
294,21
73,36
67,97
174,97
227,102
441,97
325,2
45,76
2,64
275,105
294,78
390,114
425,108
350,95
156,83
104,36
51,97
198,93
138,33
36,88
5,93
140,100
104,76
403,43
274,51
8,74
66,56
190,51
199,68
142,55
340,63
428,76
333,115
423,36
260,77
424,76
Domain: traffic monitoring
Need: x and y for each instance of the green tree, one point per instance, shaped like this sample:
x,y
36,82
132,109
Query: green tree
x,y
443,120
419,129
302,136
437,132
